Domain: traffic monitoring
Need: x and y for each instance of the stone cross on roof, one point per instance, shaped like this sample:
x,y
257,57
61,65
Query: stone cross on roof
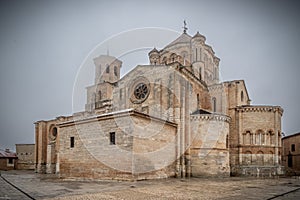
x,y
184,26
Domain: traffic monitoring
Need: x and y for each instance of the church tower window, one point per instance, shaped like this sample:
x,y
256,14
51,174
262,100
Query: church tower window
x,y
242,96
214,104
198,101
115,70
107,68
215,74
227,141
121,94
99,95
200,73
200,54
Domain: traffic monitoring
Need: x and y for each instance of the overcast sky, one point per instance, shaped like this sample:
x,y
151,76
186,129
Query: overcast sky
x,y
43,43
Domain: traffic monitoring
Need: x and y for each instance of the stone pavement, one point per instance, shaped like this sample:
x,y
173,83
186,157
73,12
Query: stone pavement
x,y
44,186
9,192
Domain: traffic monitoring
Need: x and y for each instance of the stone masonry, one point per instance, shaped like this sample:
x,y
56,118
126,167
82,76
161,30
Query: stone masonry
x,y
171,118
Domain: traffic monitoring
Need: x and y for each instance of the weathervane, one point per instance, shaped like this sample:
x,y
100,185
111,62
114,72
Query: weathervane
x,y
184,26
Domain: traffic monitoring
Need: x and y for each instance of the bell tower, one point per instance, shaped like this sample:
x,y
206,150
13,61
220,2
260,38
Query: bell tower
x,y
197,46
99,95
107,69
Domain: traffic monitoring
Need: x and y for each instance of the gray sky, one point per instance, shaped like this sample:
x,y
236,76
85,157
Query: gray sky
x,y
43,44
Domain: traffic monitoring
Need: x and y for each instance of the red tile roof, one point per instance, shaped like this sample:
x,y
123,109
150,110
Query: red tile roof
x,y
7,154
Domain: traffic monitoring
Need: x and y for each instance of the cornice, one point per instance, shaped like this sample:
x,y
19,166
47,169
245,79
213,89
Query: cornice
x,y
259,109
211,117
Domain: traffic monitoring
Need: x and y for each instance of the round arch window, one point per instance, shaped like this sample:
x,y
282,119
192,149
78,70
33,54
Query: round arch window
x,y
54,132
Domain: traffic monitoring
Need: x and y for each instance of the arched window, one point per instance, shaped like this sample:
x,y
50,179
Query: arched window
x,y
272,137
215,73
184,56
227,141
196,55
99,95
164,60
247,138
173,57
263,141
279,138
54,132
242,96
198,101
200,54
116,70
200,73
107,68
214,104
259,135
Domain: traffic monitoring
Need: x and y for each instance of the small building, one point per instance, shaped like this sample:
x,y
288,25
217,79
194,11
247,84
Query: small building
x,y
25,153
8,159
291,154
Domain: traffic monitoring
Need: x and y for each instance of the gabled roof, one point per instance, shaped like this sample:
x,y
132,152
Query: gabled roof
x,y
7,154
183,38
293,135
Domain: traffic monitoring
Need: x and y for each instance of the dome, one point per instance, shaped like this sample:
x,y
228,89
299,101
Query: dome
x,y
198,35
154,50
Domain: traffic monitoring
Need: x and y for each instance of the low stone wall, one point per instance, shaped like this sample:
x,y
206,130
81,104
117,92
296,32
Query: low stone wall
x,y
257,171
25,166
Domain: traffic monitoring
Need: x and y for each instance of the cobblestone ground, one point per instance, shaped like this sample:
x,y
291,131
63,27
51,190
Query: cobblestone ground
x,y
46,187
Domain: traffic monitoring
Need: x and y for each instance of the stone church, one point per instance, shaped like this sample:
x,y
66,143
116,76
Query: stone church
x,y
170,118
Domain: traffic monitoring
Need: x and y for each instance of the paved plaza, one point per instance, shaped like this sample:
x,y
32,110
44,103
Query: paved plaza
x,y
29,185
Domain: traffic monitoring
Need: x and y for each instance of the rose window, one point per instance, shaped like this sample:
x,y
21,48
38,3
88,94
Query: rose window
x,y
141,91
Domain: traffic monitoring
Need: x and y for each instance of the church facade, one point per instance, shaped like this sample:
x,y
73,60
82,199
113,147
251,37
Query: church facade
x,y
171,118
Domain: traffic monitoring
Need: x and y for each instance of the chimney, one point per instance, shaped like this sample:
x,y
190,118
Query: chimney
x,y
7,150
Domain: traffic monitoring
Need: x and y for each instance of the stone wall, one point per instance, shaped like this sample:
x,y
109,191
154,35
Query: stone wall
x,y
209,148
256,140
26,156
46,144
144,147
4,165
291,154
